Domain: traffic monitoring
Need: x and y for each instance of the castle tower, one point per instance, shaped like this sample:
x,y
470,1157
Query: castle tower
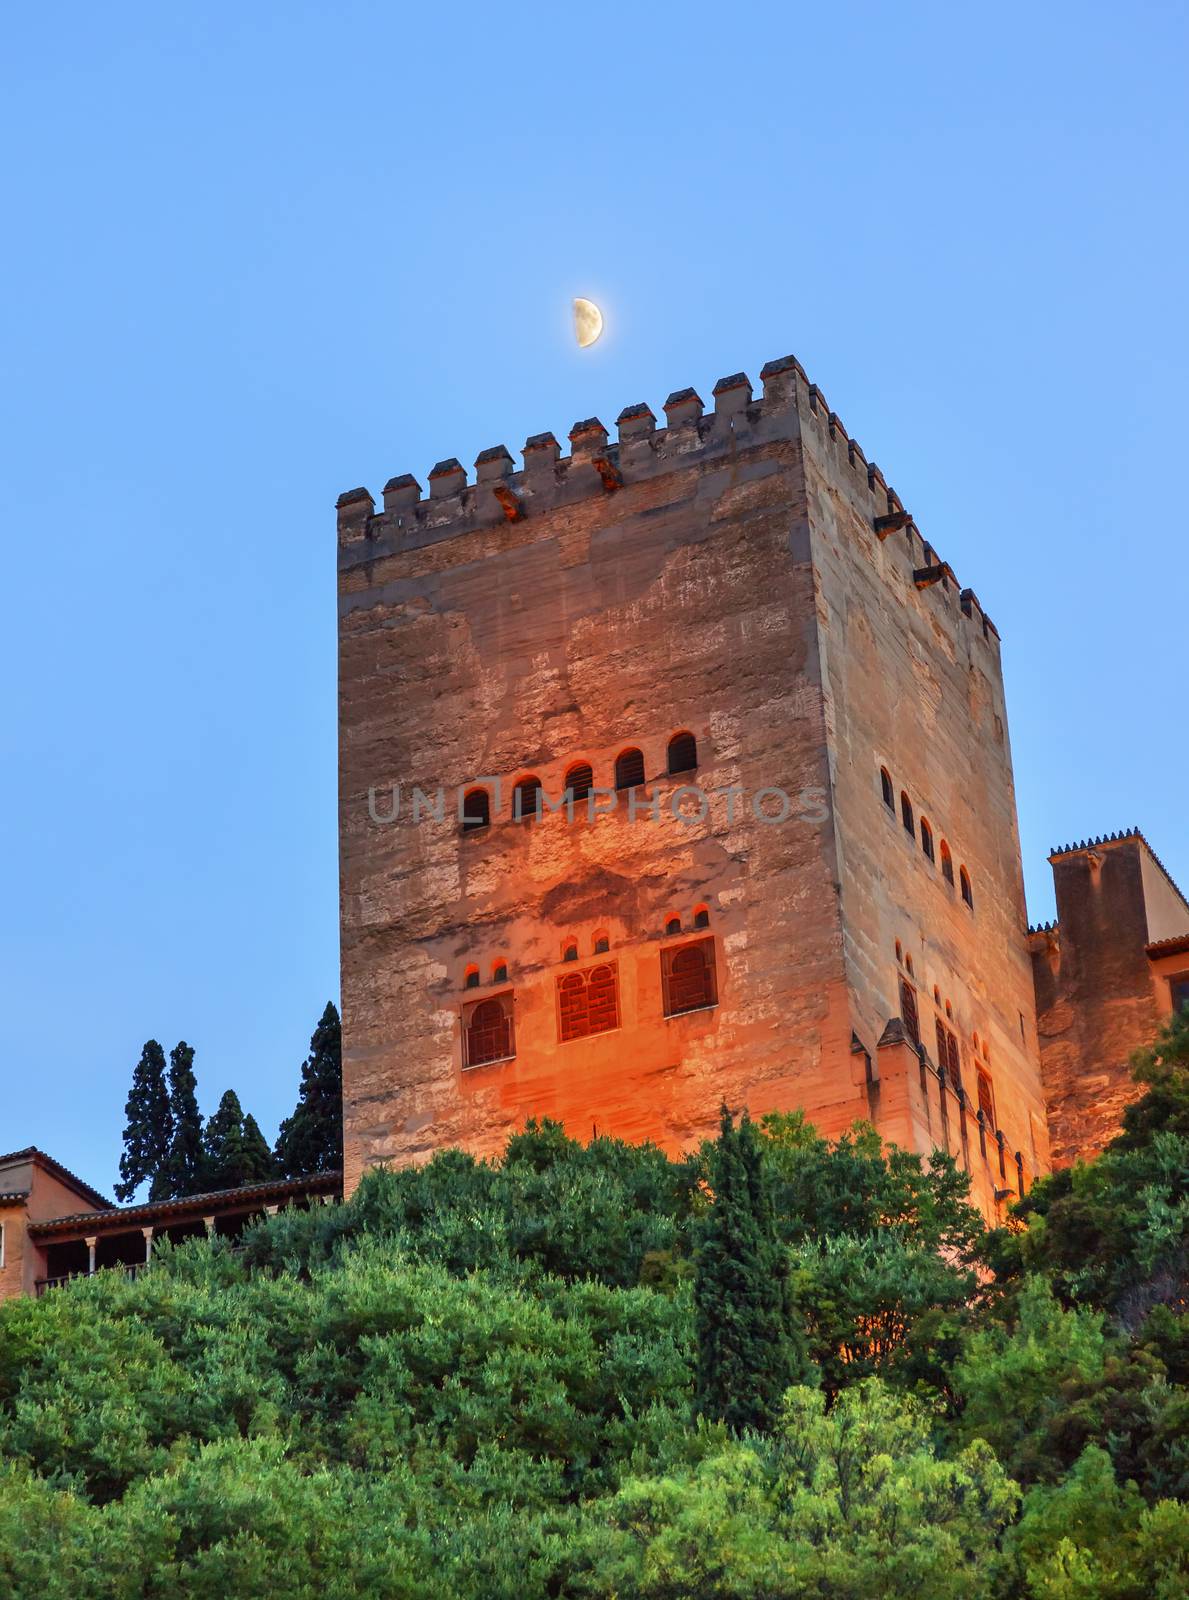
x,y
797,882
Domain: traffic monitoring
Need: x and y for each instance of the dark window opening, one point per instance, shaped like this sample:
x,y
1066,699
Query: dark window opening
x,y
889,793
948,1053
986,1098
908,1011
906,815
927,839
499,973
526,800
688,978
472,978
579,781
602,945
629,769
587,1003
683,753
947,863
701,917
488,1035
476,810
967,892
570,953
1178,988
673,925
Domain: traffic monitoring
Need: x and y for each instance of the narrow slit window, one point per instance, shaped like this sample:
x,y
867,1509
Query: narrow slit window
x,y
967,891
476,810
947,863
526,800
629,769
683,753
927,839
906,815
889,792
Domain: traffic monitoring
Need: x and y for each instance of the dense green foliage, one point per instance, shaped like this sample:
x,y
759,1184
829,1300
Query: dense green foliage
x,y
147,1127
167,1146
311,1140
482,1380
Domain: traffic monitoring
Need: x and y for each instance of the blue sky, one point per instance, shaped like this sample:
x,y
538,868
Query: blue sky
x,y
260,254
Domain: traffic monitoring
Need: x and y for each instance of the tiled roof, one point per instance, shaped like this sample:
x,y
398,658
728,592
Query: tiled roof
x,y
1168,947
9,1197
195,1204
32,1153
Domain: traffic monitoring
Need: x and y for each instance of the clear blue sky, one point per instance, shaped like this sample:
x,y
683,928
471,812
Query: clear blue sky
x,y
257,254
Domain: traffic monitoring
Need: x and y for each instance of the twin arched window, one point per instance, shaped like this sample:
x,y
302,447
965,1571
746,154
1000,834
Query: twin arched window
x,y
683,753
587,1002
909,1014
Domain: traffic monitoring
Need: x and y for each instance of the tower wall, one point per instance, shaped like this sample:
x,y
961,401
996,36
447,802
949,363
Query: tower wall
x,y
746,576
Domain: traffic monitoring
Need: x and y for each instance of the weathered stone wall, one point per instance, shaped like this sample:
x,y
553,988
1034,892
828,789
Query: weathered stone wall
x,y
1096,1000
913,684
724,576
599,620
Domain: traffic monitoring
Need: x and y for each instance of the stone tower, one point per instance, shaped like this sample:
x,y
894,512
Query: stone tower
x,y
788,874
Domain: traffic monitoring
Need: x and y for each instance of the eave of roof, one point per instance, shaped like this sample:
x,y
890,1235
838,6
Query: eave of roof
x,y
9,1197
1168,947
64,1174
197,1205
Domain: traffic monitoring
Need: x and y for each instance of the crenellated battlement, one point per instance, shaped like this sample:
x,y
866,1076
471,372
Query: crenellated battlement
x,y
500,492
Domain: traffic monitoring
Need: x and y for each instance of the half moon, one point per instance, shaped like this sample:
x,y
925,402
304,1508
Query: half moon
x,y
588,322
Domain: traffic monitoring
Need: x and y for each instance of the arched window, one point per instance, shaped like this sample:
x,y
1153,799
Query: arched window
x,y
488,1034
889,793
499,973
570,950
947,863
688,978
899,951
908,964
967,891
526,800
476,810
908,1011
673,925
926,839
986,1098
629,769
579,781
683,753
601,943
949,1010
587,1002
702,917
471,979
936,995
906,815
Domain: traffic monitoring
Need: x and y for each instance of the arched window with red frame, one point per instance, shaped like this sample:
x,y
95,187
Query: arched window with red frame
x,y
629,769
488,1033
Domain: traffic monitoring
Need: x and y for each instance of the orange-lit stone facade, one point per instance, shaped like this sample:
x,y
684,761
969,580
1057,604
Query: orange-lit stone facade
x,y
744,577
1109,972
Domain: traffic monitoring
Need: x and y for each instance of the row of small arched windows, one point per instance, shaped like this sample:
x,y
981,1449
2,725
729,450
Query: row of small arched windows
x,y
681,756
930,851
948,1054
570,950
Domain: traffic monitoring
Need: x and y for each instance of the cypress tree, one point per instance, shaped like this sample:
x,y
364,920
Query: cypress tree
x,y
259,1165
311,1140
749,1350
184,1169
147,1125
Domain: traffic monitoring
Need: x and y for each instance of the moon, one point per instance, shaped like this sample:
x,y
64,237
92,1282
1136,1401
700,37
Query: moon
x,y
588,322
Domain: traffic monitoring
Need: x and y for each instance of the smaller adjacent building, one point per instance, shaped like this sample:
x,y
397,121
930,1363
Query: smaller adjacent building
x,y
1110,971
54,1227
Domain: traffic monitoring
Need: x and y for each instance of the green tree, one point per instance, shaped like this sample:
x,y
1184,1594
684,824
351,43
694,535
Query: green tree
x,y
147,1127
311,1140
184,1168
748,1350
236,1152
